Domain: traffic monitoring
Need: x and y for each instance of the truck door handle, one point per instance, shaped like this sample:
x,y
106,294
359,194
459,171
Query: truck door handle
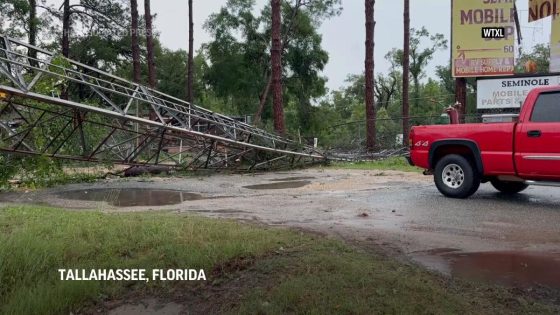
x,y
534,133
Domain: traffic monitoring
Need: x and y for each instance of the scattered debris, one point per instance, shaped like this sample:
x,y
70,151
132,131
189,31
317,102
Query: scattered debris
x,y
361,155
147,170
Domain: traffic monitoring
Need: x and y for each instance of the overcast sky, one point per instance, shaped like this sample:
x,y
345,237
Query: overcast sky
x,y
343,36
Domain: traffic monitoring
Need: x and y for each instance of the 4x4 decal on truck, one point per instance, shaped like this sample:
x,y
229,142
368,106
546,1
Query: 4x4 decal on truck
x,y
516,153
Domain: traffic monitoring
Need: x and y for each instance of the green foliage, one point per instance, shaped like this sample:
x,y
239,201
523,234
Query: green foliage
x,y
447,81
233,68
32,172
239,60
104,53
15,17
343,128
540,54
420,55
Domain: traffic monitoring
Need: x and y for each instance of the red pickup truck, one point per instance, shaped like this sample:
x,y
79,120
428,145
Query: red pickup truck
x,y
511,156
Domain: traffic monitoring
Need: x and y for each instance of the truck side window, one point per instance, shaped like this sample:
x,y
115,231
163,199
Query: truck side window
x,y
547,108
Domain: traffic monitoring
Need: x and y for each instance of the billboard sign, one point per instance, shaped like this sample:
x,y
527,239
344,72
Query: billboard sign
x,y
539,9
473,55
509,92
555,45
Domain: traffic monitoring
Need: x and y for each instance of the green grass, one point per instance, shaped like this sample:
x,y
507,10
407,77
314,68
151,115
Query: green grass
x,y
288,272
36,242
390,164
331,278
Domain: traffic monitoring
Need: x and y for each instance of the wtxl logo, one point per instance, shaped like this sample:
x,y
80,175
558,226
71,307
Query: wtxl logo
x,y
493,32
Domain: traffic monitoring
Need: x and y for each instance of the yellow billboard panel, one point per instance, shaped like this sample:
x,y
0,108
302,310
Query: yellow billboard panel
x,y
539,9
555,45
472,54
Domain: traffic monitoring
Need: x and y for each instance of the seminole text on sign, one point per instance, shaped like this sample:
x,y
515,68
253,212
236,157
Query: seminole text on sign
x,y
473,55
509,92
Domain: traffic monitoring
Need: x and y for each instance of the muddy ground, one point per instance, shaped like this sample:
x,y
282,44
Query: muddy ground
x,y
514,241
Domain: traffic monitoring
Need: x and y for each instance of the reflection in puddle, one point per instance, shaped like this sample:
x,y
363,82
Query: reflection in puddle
x,y
514,269
280,185
131,197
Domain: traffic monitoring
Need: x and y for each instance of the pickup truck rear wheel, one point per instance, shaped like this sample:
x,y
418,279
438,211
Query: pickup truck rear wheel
x,y
509,188
455,177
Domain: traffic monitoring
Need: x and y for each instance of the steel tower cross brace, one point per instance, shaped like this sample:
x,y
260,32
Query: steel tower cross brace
x,y
105,120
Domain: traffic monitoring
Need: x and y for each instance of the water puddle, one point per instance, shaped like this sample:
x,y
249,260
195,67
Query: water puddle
x,y
512,269
291,179
131,197
280,185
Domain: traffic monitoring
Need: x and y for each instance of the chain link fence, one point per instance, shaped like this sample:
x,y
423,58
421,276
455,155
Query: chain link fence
x,y
348,140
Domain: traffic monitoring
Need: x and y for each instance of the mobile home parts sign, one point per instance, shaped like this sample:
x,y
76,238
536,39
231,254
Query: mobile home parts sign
x,y
509,92
473,55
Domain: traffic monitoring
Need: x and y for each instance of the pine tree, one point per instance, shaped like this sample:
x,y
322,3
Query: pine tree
x,y
276,62
152,71
369,76
136,72
190,74
406,73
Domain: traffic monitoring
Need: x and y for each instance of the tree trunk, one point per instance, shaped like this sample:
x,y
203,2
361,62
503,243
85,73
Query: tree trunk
x,y
370,79
262,101
276,61
406,73
190,75
33,28
152,71
136,74
264,95
66,29
416,81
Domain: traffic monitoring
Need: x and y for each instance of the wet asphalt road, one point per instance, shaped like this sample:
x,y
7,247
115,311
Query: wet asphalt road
x,y
487,221
400,211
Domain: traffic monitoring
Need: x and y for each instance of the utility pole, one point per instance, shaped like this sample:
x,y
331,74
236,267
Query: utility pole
x,y
461,97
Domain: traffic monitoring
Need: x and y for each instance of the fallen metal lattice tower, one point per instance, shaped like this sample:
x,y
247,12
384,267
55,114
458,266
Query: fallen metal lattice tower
x,y
120,121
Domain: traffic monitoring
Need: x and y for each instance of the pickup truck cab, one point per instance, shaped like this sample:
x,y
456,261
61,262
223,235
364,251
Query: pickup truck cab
x,y
511,156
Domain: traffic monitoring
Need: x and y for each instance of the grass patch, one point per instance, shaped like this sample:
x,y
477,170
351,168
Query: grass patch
x,y
281,271
36,242
331,278
390,164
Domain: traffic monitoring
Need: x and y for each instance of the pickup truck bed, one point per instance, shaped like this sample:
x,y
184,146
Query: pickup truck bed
x,y
509,155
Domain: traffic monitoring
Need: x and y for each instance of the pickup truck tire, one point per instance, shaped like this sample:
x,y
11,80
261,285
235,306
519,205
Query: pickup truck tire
x,y
456,177
508,188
